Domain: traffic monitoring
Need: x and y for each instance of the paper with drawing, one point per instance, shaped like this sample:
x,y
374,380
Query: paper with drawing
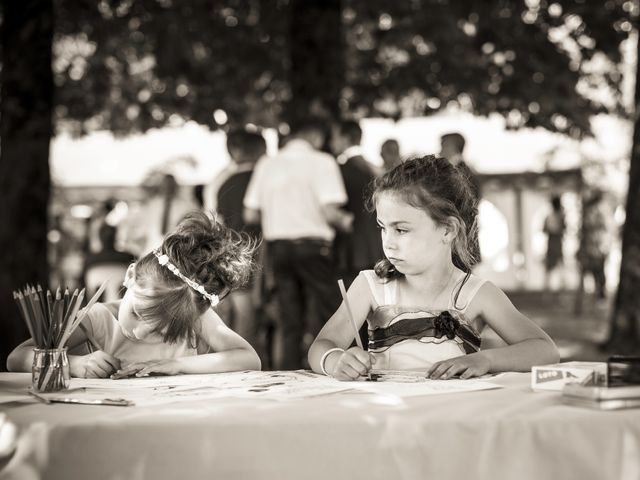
x,y
273,385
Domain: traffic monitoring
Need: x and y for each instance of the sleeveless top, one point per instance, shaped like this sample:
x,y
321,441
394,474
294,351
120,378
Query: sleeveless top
x,y
104,327
413,338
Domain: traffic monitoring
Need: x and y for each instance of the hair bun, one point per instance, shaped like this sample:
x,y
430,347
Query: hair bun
x,y
215,256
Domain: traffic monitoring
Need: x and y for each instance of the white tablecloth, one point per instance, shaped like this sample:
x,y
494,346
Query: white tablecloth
x,y
508,433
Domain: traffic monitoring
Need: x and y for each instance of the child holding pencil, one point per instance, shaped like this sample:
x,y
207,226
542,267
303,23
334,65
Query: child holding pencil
x,y
423,305
165,324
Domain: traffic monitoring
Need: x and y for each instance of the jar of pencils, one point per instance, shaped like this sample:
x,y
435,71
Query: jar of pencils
x,y
50,370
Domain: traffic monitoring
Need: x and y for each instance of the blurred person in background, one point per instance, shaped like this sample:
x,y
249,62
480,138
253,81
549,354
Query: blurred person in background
x,y
166,205
227,193
390,153
452,148
554,227
107,265
244,148
594,238
97,220
360,248
296,196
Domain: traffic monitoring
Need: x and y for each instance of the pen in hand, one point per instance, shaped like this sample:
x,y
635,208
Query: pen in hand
x,y
343,292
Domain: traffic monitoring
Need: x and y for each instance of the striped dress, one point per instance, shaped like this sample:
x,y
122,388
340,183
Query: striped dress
x,y
413,338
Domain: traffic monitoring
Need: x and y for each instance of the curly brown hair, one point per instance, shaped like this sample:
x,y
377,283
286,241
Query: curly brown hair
x,y
204,250
434,185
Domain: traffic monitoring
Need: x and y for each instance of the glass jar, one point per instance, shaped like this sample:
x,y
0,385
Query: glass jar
x,y
50,370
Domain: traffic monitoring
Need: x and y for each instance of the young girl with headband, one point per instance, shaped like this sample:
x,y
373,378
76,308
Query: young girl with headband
x,y
166,323
425,309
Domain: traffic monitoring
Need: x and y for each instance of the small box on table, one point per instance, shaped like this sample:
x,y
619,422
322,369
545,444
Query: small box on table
x,y
554,377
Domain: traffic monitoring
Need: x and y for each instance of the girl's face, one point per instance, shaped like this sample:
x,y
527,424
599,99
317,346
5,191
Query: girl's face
x,y
132,325
411,240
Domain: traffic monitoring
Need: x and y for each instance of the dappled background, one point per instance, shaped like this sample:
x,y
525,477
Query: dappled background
x,y
98,97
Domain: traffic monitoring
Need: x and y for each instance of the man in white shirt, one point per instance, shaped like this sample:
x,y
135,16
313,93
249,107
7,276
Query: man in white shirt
x,y
296,197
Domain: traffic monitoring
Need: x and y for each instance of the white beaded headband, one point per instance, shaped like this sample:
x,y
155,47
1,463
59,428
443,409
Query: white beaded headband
x,y
163,260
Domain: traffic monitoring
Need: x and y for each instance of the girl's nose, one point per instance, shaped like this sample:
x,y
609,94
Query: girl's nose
x,y
388,242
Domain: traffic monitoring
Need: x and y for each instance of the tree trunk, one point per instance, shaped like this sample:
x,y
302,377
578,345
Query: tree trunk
x,y
25,132
624,335
316,70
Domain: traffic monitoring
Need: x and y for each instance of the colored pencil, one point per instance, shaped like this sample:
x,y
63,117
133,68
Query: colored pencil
x,y
349,313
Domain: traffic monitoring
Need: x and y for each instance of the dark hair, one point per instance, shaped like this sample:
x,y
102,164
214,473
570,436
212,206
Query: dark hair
x,y
456,139
432,184
107,235
388,142
305,126
252,144
203,250
351,130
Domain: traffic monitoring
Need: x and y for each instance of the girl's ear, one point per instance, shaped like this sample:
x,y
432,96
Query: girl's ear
x,y
451,229
129,277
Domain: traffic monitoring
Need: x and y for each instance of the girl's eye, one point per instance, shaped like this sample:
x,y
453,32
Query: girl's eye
x,y
401,231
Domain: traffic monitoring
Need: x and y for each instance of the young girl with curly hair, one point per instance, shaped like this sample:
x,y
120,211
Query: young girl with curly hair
x,y
166,323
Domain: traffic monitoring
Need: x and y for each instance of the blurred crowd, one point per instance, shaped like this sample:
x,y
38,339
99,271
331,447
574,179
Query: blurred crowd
x,y
307,207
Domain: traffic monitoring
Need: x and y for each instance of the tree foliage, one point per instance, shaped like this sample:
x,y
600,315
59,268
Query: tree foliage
x,y
129,66
529,61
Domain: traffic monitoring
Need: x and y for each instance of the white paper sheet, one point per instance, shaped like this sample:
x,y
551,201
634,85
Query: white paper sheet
x,y
424,387
273,385
276,385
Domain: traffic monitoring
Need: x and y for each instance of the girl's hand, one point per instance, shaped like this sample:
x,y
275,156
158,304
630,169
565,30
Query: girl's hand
x,y
466,366
98,364
350,364
144,369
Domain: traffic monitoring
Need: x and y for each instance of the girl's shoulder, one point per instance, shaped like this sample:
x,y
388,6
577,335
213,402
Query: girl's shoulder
x,y
482,296
103,310
381,289
466,291
102,319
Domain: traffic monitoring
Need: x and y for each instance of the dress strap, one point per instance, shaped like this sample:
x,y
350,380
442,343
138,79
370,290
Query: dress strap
x,y
378,296
467,290
382,291
389,291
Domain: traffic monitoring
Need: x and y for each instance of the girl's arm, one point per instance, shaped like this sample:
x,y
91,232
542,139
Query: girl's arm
x,y
338,333
97,364
21,358
528,344
231,353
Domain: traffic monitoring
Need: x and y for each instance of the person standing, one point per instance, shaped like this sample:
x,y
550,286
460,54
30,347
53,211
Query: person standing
x,y
594,239
390,153
554,227
227,194
360,248
106,265
297,196
168,203
452,148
